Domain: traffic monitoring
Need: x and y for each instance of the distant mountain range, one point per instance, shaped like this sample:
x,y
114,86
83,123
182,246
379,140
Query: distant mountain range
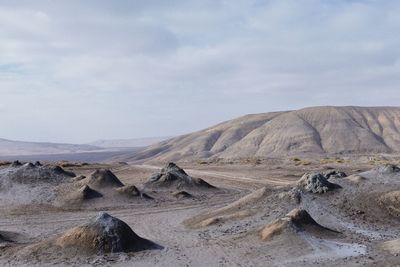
x,y
20,148
311,131
315,130
124,143
12,148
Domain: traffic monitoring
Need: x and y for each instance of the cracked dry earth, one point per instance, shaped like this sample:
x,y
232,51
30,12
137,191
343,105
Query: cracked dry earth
x,y
248,221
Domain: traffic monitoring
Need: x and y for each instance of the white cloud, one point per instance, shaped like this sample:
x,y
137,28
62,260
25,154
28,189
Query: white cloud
x,y
85,70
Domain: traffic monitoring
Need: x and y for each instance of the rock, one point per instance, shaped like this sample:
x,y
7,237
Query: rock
x,y
316,183
334,174
104,234
387,169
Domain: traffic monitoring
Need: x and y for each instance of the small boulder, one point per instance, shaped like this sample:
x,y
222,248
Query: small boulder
x,y
334,174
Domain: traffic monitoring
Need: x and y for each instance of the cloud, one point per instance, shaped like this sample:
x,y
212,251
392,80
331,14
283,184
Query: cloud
x,y
83,70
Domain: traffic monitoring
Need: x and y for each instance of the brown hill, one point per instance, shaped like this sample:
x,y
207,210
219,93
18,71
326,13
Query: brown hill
x,y
316,130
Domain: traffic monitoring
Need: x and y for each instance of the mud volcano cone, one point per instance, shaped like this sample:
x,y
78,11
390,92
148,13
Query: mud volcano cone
x,y
104,178
104,234
316,183
88,193
174,176
295,221
129,190
16,163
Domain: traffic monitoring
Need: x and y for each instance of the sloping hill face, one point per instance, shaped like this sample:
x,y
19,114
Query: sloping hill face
x,y
316,130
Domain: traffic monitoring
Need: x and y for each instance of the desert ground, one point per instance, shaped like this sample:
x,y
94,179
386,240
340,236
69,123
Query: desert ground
x,y
345,212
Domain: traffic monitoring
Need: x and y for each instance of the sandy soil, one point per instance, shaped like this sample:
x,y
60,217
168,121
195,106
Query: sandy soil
x,y
363,225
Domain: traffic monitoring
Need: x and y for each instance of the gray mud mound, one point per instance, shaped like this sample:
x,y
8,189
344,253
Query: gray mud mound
x,y
31,184
88,193
295,221
316,183
103,178
182,194
334,174
61,171
391,203
82,194
387,169
37,164
173,176
129,190
132,191
16,163
30,174
104,234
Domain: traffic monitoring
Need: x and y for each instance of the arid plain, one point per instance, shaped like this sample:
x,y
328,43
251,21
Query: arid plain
x,y
244,221
209,198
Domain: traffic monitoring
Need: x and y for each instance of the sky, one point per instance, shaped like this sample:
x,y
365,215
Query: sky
x,y
78,71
